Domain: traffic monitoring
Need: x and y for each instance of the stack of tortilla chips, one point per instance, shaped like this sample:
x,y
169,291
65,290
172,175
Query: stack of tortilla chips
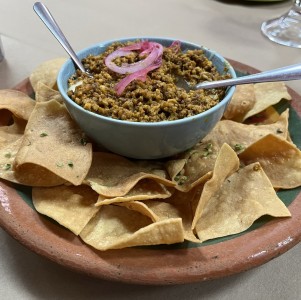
x,y
217,188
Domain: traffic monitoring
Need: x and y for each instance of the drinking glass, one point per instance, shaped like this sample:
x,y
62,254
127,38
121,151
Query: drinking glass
x,y
286,29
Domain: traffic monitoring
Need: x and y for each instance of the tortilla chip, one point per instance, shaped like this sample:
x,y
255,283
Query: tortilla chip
x,y
196,166
28,174
116,227
46,73
13,132
280,160
53,141
267,94
239,136
44,93
226,164
140,207
145,189
241,103
233,207
179,205
112,175
18,103
70,206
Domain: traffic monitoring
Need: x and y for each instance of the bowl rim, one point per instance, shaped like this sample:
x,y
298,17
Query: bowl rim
x,y
229,92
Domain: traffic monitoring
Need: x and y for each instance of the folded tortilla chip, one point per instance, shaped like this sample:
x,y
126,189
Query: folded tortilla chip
x,y
233,207
27,174
226,164
46,73
53,141
280,160
45,93
145,189
112,175
267,94
116,227
239,136
70,206
194,166
241,103
179,205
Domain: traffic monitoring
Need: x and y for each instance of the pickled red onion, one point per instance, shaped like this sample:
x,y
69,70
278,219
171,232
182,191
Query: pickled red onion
x,y
139,75
155,50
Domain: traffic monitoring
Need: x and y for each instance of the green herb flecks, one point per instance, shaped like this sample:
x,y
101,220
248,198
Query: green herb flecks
x,y
7,155
59,164
43,134
208,149
181,179
238,147
83,141
7,167
70,164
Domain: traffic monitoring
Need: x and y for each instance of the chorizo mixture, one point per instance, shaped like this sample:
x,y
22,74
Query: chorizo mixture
x,y
137,81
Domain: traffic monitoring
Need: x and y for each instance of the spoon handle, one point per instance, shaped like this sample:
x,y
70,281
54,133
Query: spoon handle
x,y
45,15
292,72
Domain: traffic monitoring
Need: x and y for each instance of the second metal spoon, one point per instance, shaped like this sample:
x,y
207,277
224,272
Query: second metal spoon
x,y
292,72
45,15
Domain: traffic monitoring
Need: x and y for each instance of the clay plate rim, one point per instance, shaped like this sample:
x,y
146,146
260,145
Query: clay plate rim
x,y
148,265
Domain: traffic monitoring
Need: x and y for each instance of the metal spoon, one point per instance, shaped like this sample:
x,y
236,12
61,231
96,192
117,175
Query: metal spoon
x,y
292,72
45,15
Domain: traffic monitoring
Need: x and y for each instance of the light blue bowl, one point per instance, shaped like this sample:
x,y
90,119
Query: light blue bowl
x,y
144,140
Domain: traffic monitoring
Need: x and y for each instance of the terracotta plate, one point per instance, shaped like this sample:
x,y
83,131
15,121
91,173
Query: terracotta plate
x,y
174,264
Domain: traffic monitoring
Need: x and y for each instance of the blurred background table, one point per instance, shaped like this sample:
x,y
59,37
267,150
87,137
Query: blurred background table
x,y
230,27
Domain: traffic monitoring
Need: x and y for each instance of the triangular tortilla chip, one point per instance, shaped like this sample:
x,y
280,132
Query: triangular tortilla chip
x,y
145,189
241,103
53,141
280,160
243,197
239,136
267,94
194,167
71,206
116,227
112,175
46,72
45,93
226,163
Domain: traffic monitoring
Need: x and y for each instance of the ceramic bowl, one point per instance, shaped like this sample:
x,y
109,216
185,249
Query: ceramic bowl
x,y
144,140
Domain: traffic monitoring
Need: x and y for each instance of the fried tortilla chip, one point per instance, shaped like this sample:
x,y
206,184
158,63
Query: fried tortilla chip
x,y
194,167
18,103
27,174
280,160
15,109
70,206
267,94
179,205
233,207
53,141
241,103
145,189
226,164
116,227
13,132
46,73
141,207
239,136
112,175
45,93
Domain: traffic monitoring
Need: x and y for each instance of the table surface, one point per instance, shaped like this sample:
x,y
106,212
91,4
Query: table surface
x,y
230,27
